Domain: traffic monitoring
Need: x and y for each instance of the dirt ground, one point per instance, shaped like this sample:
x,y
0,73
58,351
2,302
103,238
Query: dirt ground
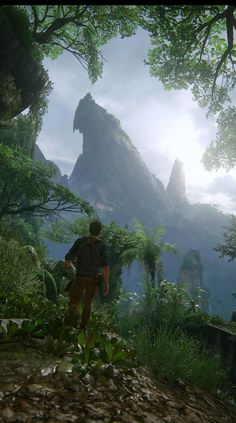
x,y
35,387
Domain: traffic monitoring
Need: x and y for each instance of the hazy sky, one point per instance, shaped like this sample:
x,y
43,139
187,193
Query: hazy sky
x,y
163,125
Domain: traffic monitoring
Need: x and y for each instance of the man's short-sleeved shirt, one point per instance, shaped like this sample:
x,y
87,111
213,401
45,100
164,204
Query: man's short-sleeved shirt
x,y
101,248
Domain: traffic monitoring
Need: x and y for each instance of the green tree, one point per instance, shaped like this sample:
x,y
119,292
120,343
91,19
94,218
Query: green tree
x,y
22,132
193,47
229,248
117,240
26,187
145,247
33,32
25,230
222,151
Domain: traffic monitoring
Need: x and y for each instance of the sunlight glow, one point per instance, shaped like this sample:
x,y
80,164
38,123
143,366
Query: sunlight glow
x,y
180,140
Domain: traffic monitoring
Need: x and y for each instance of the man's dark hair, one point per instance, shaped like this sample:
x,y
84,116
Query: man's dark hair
x,y
95,228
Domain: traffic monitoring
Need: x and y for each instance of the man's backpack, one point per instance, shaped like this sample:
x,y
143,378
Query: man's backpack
x,y
88,258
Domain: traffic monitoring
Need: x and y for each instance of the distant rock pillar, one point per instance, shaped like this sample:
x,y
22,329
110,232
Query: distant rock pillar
x,y
176,186
191,271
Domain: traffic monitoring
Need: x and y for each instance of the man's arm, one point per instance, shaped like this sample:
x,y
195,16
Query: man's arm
x,y
106,274
68,264
71,254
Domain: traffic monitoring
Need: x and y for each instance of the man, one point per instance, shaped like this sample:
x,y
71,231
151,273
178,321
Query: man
x,y
91,256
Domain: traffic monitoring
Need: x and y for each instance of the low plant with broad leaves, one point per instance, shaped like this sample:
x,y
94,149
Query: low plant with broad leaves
x,y
95,351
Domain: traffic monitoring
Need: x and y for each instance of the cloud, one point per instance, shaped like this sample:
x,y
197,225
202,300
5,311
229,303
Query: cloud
x,y
221,192
223,184
220,200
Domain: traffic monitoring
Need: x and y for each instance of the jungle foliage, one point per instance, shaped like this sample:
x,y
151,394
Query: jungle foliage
x,y
229,248
124,247
27,187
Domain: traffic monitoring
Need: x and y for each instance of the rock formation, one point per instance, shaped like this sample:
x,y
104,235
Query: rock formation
x,y
176,186
58,178
110,172
191,272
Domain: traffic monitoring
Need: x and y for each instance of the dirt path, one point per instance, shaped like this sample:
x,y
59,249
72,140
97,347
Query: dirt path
x,y
36,387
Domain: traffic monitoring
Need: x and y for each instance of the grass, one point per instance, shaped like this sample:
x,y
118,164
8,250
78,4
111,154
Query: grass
x,y
172,355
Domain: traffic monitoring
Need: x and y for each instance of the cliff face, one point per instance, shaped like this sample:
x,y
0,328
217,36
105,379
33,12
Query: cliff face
x,y
110,172
176,186
58,178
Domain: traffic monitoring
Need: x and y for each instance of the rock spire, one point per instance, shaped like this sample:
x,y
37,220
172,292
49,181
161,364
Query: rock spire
x,y
176,186
110,172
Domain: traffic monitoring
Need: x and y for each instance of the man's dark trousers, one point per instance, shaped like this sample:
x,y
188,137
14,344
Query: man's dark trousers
x,y
86,285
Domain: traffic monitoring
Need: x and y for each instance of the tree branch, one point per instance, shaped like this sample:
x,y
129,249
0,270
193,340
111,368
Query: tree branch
x,y
211,21
208,30
36,21
42,210
44,37
45,14
74,52
227,52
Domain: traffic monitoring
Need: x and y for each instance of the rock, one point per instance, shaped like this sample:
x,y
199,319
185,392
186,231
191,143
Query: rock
x,y
118,181
50,369
7,413
176,186
191,272
65,366
58,177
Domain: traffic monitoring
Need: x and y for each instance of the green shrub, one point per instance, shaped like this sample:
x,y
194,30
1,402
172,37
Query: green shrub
x,y
101,318
194,318
173,355
165,305
156,323
216,320
99,352
23,280
18,274
10,96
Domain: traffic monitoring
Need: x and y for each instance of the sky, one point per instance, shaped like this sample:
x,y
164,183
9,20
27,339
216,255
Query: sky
x,y
162,125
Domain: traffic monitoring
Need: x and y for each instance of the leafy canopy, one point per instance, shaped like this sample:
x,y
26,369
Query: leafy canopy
x,y
78,29
229,248
193,47
27,187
